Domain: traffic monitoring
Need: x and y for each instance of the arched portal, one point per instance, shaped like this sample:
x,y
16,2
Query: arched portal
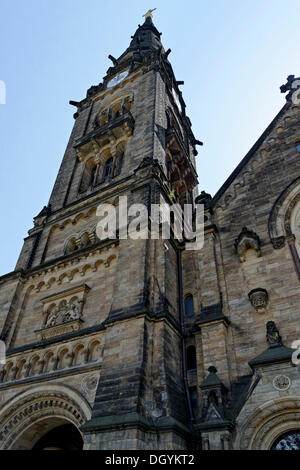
x,y
50,434
36,417
268,423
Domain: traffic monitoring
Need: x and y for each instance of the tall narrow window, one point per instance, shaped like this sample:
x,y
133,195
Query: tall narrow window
x,y
88,176
92,177
191,358
194,399
189,306
119,164
121,160
107,170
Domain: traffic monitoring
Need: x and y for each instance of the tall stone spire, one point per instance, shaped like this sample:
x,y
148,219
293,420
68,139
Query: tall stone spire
x,y
145,40
146,37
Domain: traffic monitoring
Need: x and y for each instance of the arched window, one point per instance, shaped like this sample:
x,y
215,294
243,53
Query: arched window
x,y
119,164
107,170
88,176
92,177
189,306
71,246
121,160
287,441
191,358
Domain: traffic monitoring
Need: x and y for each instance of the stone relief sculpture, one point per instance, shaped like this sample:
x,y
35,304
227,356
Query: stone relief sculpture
x,y
63,314
259,299
273,336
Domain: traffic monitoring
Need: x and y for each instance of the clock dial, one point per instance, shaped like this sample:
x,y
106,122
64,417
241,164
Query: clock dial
x,y
177,100
117,79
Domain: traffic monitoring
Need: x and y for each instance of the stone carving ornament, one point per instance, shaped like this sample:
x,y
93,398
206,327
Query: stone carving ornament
x,y
259,299
281,382
273,336
63,314
245,241
89,384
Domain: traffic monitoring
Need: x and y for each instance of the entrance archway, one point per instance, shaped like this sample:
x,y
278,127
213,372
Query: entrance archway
x,y
64,437
50,433
268,423
36,417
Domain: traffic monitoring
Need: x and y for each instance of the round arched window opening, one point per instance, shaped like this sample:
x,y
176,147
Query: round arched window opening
x,y
288,441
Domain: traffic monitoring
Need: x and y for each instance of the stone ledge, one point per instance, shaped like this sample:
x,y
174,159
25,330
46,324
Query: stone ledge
x,y
273,354
56,339
49,376
134,420
59,330
215,425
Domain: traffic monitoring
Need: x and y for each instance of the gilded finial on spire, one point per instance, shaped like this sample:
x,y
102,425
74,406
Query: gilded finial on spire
x,y
149,14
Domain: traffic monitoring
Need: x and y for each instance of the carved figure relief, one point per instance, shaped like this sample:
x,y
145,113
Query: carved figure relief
x,y
63,314
273,336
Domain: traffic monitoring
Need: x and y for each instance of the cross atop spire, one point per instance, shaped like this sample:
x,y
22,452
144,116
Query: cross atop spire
x,y
291,86
149,14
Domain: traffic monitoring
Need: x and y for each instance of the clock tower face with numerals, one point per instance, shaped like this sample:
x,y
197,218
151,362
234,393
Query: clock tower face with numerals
x,y
117,79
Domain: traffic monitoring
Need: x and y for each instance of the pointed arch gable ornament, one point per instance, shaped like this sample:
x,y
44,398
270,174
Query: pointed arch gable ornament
x,y
280,223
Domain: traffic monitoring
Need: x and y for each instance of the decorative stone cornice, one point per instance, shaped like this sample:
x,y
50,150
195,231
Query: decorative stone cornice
x,y
81,289
210,315
58,330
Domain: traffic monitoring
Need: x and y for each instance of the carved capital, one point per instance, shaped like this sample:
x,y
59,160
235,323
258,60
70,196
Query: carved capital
x,y
259,299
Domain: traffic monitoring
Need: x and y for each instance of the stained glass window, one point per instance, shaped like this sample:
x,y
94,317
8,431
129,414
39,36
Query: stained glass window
x,y
288,441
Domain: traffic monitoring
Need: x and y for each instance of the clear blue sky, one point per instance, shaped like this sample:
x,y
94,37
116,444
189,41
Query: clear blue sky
x,y
233,55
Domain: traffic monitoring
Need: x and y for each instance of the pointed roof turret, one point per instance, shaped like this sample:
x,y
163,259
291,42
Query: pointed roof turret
x,y
145,39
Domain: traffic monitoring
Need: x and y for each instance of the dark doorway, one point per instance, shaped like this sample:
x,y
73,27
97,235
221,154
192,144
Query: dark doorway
x,y
66,437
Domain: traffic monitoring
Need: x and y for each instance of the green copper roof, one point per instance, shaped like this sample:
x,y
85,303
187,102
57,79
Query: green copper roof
x,y
276,353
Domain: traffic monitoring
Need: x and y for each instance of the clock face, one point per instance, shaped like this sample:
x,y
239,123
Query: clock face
x,y
177,100
117,79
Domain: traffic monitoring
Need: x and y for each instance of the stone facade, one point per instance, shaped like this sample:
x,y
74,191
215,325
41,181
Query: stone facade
x,y
144,344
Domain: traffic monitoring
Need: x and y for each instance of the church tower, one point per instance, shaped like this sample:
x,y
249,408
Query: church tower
x,y
96,326
140,342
